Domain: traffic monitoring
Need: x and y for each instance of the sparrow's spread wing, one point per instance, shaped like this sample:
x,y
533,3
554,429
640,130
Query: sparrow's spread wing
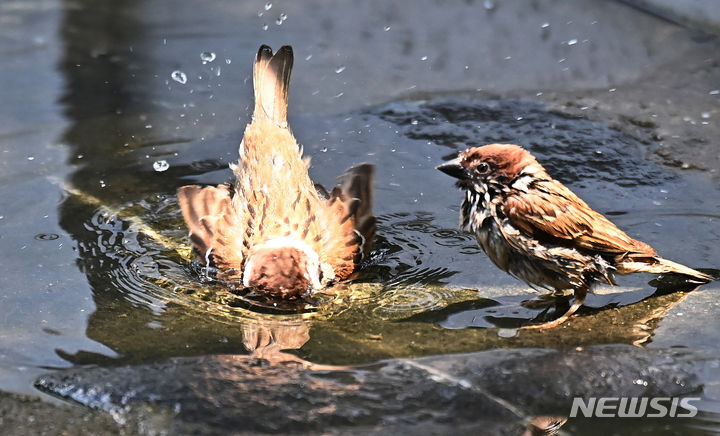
x,y
549,210
349,211
214,230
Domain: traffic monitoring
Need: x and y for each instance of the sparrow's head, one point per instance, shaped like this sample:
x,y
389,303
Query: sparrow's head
x,y
283,267
494,164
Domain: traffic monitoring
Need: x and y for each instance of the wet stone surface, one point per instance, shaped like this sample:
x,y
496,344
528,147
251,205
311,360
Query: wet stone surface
x,y
496,392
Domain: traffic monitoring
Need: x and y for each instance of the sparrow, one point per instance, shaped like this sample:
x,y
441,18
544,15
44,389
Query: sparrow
x,y
272,229
534,228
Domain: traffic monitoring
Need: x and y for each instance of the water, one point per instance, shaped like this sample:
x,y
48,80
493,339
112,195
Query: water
x,y
179,77
161,165
207,57
97,267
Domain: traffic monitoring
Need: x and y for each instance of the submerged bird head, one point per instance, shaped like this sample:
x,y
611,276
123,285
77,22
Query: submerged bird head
x,y
283,267
495,164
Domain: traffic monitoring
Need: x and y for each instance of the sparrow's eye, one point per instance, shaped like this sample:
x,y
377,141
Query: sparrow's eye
x,y
482,167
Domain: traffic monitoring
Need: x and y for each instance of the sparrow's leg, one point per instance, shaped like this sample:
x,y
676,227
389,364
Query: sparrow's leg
x,y
580,294
545,300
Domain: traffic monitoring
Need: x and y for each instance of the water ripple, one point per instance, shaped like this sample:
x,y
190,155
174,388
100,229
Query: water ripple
x,y
402,301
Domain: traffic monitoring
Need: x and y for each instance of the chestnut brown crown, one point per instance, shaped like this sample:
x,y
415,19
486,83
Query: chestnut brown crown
x,y
504,162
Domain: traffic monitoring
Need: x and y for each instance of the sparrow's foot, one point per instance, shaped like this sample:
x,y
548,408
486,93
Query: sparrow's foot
x,y
580,294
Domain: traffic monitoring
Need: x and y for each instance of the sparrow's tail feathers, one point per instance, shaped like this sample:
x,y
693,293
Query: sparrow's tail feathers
x,y
271,79
355,190
202,208
658,265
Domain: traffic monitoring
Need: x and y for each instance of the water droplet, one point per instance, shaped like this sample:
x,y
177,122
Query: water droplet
x,y
489,5
640,381
705,115
268,6
340,69
714,92
324,150
386,28
265,27
281,19
102,183
207,56
308,57
31,158
414,122
572,42
179,77
228,61
46,236
161,165
544,25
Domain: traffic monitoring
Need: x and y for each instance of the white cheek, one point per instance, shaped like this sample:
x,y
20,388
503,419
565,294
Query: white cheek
x,y
522,183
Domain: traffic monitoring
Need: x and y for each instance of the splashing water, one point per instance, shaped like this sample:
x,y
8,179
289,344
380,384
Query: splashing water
x,y
207,57
179,77
161,165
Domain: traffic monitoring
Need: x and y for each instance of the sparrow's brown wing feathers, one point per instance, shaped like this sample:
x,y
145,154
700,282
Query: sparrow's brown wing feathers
x,y
350,207
550,210
209,216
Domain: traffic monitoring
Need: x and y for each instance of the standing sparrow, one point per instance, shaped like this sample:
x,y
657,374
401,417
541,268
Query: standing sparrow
x,y
273,229
536,229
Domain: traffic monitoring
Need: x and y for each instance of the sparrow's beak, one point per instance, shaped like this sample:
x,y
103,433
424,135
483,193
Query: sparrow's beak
x,y
454,169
